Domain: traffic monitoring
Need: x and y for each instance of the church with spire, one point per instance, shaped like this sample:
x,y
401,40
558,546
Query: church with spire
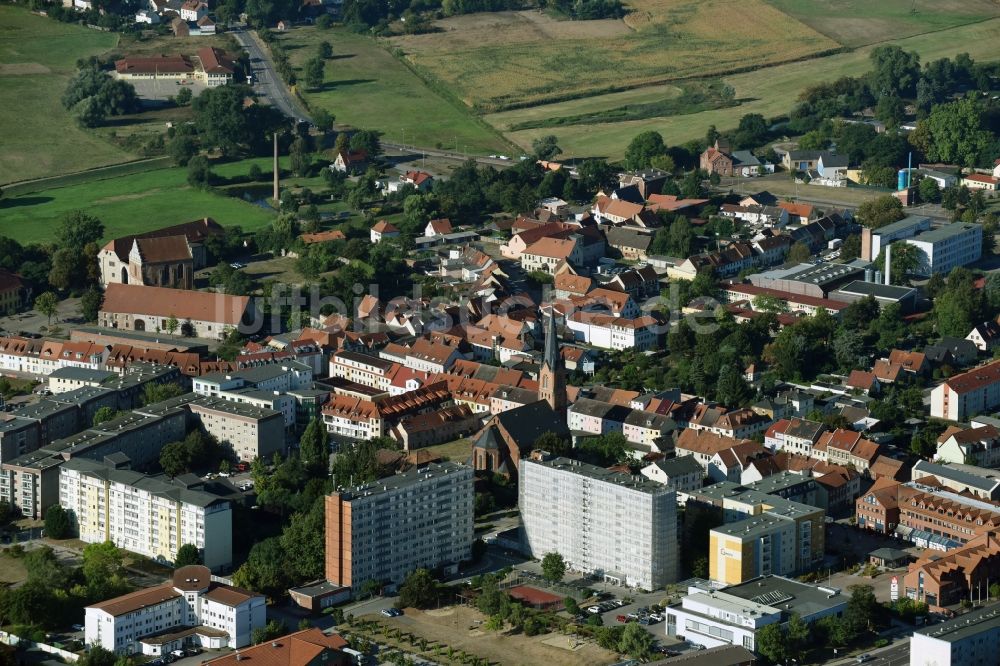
x,y
552,376
510,436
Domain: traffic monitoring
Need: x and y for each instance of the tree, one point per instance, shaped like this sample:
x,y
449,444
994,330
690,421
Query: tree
x,y
771,643
57,523
314,446
419,590
732,388
186,555
104,414
48,305
90,303
643,148
97,656
799,252
325,50
636,641
89,112
183,97
752,131
77,229
881,211
199,171
553,567
172,324
955,133
681,237
226,122
862,608
104,570
546,147
264,570
270,631
182,148
891,110
154,392
553,443
368,141
303,539
796,636
314,73
894,71
573,608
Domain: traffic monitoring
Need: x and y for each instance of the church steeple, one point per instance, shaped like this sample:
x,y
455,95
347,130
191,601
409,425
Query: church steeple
x,y
552,377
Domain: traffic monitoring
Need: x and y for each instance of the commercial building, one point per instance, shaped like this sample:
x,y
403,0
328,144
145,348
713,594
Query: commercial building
x,y
808,279
968,393
384,530
960,573
964,479
615,525
152,516
873,241
734,615
944,248
967,640
189,610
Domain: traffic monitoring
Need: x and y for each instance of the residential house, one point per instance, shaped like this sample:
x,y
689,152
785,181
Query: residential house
x,y
630,244
795,435
548,254
968,393
383,230
11,292
682,473
979,181
350,161
798,213
985,335
978,446
439,227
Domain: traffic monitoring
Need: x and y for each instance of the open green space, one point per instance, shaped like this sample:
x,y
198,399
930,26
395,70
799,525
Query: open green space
x,y
769,91
860,22
126,204
40,137
366,87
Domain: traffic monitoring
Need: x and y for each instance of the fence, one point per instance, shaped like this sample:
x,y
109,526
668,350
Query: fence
x,y
12,640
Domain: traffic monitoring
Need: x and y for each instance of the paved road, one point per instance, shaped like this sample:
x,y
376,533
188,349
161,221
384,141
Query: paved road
x,y
267,83
894,655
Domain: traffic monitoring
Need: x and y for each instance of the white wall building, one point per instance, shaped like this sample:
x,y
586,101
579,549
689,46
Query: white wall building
x,y
946,247
968,640
602,522
146,515
966,394
609,332
189,610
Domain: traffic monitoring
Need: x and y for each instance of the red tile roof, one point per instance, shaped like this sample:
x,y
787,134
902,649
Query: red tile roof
x,y
974,379
181,303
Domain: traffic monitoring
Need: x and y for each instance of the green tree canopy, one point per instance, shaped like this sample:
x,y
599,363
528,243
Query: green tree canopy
x,y
553,567
643,148
57,523
186,555
419,590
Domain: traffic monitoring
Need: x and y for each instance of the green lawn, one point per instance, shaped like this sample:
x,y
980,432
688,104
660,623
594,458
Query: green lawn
x,y
770,91
40,138
366,87
127,204
860,22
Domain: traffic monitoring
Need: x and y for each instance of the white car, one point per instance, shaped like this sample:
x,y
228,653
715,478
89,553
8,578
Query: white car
x,y
237,265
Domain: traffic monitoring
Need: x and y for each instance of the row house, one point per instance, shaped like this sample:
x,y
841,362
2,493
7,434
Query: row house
x,y
964,572
848,448
643,429
725,263
609,332
703,445
795,435
963,479
760,216
737,424
363,369
353,418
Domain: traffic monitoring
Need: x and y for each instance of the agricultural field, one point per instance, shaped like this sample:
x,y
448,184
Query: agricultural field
x,y
37,57
366,87
770,92
505,60
126,204
860,22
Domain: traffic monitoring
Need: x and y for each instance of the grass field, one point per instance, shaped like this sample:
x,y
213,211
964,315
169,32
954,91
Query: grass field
x,y
127,204
770,91
861,22
508,59
37,57
367,87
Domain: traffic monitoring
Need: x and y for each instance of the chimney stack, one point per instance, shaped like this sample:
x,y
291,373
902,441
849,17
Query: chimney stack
x,y
888,264
277,191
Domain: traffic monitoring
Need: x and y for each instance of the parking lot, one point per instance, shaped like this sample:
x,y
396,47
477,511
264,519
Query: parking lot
x,y
160,90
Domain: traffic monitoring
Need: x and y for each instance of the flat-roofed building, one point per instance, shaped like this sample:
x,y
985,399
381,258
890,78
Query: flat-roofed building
x,y
944,248
151,516
968,640
386,529
249,431
615,525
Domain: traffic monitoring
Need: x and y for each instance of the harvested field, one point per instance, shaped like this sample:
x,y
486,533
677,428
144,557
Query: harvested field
x,y
860,22
512,59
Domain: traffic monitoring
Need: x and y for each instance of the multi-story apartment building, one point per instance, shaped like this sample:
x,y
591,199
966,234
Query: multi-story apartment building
x,y
620,526
384,530
152,516
189,610
281,377
967,394
610,332
17,436
362,369
249,431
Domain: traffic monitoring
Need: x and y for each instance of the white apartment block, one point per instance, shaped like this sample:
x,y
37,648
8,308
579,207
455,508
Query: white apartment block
x,y
145,515
947,247
967,394
362,369
621,527
967,640
384,530
190,610
280,377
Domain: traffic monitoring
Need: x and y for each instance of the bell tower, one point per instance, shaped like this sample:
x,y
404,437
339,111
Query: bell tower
x,y
552,377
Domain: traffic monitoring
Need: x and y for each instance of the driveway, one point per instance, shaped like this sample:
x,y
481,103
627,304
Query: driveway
x,y
32,321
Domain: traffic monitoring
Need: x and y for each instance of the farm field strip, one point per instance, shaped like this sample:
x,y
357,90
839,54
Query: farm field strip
x,y
772,92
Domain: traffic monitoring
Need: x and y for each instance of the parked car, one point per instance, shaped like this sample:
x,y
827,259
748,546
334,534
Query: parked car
x,y
862,658
593,610
178,654
621,618
391,612
237,265
193,651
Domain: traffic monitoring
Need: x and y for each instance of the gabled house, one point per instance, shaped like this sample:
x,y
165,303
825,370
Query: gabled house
x,y
439,227
629,244
383,230
985,335
350,161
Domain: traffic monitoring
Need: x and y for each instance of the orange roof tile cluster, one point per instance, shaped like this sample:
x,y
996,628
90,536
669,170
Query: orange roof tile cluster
x,y
555,248
705,442
122,356
384,227
442,226
975,379
799,209
299,649
849,442
157,64
909,361
323,236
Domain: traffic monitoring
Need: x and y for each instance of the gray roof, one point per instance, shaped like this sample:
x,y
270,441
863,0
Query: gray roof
x,y
745,158
832,160
529,422
801,598
877,290
724,655
235,408
948,231
411,477
634,482
965,626
82,395
902,225
159,486
82,374
984,483
679,465
618,236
